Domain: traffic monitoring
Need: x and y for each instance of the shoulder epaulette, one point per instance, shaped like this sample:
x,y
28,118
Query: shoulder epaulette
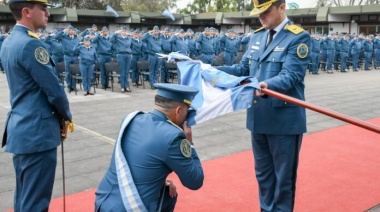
x,y
34,35
294,29
258,30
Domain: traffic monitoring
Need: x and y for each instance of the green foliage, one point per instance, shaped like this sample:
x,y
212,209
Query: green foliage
x,y
202,6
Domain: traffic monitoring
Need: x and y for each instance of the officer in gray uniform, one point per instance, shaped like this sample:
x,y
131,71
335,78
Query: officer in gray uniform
x,y
278,56
39,107
151,157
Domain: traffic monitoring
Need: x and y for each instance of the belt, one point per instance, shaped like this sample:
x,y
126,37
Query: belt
x,y
70,55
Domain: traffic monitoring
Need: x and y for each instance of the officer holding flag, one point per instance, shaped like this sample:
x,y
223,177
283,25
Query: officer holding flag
x,y
278,56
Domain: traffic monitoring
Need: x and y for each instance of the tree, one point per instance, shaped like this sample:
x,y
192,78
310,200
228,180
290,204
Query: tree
x,y
338,3
197,6
148,5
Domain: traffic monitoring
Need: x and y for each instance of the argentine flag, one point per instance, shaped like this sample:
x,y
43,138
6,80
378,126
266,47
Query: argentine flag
x,y
219,92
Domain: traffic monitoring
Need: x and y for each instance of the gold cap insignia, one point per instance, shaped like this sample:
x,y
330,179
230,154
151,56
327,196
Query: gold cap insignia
x,y
41,55
260,8
302,51
185,148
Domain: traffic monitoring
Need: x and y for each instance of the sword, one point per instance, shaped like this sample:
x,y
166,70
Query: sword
x,y
66,125
63,177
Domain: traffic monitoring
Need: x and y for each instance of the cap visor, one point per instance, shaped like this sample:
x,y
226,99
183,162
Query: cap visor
x,y
258,11
192,107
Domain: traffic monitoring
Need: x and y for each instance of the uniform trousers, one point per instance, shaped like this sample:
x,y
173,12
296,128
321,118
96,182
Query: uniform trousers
x,y
377,58
207,58
367,59
134,68
343,60
154,66
164,73
330,58
229,58
276,163
355,60
124,62
314,62
35,174
114,203
87,72
323,59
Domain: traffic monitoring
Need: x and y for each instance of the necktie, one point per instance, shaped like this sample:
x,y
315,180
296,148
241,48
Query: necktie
x,y
271,33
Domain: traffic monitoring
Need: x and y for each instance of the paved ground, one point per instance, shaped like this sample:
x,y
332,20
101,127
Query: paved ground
x,y
97,118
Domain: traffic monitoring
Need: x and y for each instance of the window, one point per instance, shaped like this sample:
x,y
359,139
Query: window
x,y
373,18
355,17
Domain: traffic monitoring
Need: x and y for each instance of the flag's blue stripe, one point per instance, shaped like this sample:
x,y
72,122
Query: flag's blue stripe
x,y
191,76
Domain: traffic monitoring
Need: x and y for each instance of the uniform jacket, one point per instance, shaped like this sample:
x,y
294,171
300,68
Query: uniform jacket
x,y
345,46
206,44
315,45
136,46
180,45
167,46
68,42
151,158
103,44
88,55
154,44
279,65
355,46
120,44
37,97
368,46
56,46
228,44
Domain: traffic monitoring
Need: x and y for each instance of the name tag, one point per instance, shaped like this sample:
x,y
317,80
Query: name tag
x,y
278,49
255,47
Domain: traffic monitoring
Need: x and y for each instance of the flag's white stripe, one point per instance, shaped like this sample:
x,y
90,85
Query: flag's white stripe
x,y
216,102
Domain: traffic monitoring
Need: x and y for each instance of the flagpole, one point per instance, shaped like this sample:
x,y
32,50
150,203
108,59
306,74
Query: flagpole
x,y
323,110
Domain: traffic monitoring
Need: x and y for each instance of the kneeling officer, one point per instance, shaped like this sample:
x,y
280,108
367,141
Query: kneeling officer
x,y
149,147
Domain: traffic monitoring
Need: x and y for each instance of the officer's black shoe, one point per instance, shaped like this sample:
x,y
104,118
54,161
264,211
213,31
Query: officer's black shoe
x,y
153,88
315,73
105,87
343,71
70,89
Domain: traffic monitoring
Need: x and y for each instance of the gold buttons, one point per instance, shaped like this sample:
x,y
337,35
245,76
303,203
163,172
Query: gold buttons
x,y
254,102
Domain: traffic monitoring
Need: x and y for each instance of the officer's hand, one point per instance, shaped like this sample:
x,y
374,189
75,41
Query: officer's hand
x,y
258,92
188,133
172,188
64,127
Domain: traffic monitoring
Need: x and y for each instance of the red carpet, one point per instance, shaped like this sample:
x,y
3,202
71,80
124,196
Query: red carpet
x,y
339,171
